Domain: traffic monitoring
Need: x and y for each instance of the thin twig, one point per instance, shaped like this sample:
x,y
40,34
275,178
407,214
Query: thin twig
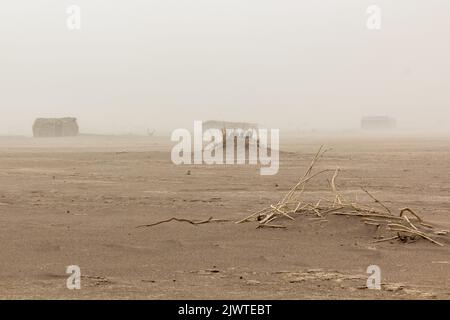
x,y
377,201
193,222
387,239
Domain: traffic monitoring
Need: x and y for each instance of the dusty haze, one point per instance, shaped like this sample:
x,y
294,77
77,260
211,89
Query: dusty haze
x,y
113,201
162,64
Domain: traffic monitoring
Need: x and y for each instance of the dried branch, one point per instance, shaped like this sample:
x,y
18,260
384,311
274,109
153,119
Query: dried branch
x,y
292,203
193,222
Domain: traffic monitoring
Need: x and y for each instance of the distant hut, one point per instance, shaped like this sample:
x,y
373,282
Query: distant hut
x,y
55,127
235,131
245,129
378,123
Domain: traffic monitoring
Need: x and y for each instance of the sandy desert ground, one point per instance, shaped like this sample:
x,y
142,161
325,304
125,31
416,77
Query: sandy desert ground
x,y
78,201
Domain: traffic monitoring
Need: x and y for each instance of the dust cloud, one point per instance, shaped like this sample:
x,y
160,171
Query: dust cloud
x,y
300,66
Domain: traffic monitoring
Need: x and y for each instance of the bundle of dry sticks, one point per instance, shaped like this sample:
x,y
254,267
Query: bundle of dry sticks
x,y
407,226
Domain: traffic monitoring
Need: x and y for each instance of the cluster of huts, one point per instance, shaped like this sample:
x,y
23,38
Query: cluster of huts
x,y
68,127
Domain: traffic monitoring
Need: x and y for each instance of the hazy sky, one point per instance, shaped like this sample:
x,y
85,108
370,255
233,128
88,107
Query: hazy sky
x,y
164,63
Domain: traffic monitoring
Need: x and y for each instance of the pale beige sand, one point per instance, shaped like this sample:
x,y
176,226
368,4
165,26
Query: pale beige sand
x,y
77,202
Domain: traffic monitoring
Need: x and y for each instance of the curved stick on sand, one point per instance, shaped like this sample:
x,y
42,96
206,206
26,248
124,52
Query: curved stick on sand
x,y
210,219
410,211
